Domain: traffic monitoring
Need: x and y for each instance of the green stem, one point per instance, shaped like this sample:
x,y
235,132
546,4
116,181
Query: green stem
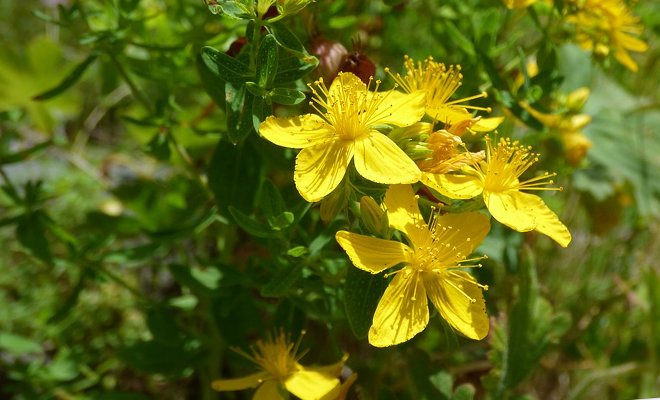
x,y
214,345
134,88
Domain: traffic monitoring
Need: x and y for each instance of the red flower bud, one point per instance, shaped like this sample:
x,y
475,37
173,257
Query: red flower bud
x,y
358,64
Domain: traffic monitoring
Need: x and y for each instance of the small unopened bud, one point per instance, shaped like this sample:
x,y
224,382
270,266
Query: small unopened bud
x,y
330,54
372,217
576,99
334,203
576,146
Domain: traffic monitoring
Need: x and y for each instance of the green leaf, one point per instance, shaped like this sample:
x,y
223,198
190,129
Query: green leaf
x,y
287,96
267,61
239,9
292,67
260,110
271,200
239,111
255,89
250,225
200,282
18,345
233,175
286,38
211,82
159,146
458,38
362,292
31,233
281,221
22,155
464,392
283,279
159,358
224,67
68,81
297,251
443,382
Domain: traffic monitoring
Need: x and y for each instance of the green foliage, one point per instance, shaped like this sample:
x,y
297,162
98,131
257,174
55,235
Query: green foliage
x,y
147,228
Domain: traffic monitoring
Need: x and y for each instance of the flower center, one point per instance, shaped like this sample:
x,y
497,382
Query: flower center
x,y
505,163
349,107
276,356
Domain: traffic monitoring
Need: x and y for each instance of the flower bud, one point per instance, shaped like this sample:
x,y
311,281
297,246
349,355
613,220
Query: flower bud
x,y
576,99
576,146
330,54
372,217
335,202
359,65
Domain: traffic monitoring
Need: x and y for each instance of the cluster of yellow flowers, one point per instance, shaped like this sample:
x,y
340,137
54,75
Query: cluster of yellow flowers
x,y
601,26
392,138
348,131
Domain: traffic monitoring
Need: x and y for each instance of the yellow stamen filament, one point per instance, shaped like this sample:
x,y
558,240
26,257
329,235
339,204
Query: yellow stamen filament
x,y
505,163
350,109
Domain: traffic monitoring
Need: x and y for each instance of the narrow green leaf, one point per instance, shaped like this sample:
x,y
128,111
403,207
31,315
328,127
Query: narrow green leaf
x,y
280,283
286,38
250,225
362,292
31,233
297,251
255,89
271,200
23,154
287,96
458,38
260,110
18,345
267,61
223,66
68,81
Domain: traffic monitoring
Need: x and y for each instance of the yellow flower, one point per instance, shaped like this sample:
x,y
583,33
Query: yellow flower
x,y
497,179
345,131
602,25
444,146
278,360
440,83
430,269
518,3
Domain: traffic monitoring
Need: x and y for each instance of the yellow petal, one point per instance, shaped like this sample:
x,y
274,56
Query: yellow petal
x,y
320,169
372,254
297,132
487,124
332,369
467,231
448,114
455,186
400,109
402,312
525,212
380,160
624,58
269,390
631,43
308,384
224,385
403,213
452,293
